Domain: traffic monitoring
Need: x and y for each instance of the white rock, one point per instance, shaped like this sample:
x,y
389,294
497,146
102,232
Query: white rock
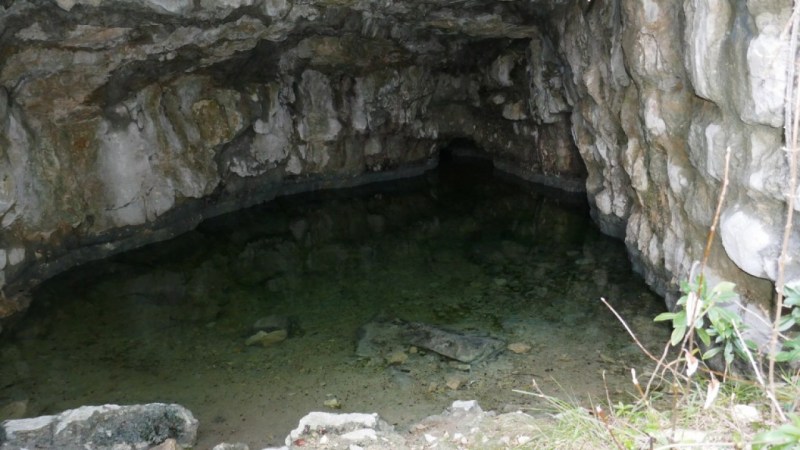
x,y
745,414
745,237
318,420
363,434
466,405
501,70
235,446
318,117
16,255
766,63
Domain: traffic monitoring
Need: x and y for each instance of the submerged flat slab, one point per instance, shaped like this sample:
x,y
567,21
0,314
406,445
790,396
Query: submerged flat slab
x,y
380,338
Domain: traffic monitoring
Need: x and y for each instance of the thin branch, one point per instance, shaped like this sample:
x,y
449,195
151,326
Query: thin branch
x,y
713,230
770,393
792,129
628,329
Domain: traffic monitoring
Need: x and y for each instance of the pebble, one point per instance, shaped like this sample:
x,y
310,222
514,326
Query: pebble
x,y
519,347
333,403
745,414
14,410
266,339
454,382
460,366
397,358
235,446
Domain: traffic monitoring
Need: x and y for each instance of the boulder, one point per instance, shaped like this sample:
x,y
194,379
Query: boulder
x,y
103,427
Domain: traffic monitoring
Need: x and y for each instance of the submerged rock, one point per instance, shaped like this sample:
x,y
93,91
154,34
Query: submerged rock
x,y
269,331
382,339
103,427
266,339
467,348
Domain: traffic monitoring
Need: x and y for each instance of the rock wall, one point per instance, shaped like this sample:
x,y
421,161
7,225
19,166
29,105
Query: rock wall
x,y
661,90
125,122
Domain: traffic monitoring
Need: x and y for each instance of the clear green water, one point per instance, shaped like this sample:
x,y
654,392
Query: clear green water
x,y
456,248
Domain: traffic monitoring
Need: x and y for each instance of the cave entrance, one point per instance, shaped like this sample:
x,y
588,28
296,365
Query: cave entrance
x,y
457,250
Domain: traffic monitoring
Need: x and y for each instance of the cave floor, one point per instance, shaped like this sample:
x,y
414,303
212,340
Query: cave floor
x,y
457,248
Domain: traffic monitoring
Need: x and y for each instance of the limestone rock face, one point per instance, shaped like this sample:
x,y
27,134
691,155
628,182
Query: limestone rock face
x,y
661,90
124,122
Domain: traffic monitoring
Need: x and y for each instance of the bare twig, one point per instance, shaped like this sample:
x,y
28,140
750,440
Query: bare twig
x,y
713,230
628,329
770,393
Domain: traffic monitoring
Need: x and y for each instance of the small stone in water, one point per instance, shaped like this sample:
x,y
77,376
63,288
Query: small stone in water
x,y
454,382
333,403
519,347
266,339
397,358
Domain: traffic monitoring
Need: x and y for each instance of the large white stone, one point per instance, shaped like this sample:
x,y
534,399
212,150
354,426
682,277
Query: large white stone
x,y
746,238
322,420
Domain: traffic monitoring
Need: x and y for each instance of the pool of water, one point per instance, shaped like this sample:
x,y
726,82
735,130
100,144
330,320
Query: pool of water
x,y
458,248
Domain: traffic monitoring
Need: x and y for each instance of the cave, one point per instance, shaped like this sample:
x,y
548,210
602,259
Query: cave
x,y
135,126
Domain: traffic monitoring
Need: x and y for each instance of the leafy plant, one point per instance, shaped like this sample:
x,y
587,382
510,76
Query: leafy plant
x,y
701,311
787,436
791,347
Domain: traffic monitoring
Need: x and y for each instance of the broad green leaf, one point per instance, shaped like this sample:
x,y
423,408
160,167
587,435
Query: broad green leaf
x,y
680,319
712,352
703,335
664,316
792,293
770,438
793,355
786,323
713,315
728,353
677,335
